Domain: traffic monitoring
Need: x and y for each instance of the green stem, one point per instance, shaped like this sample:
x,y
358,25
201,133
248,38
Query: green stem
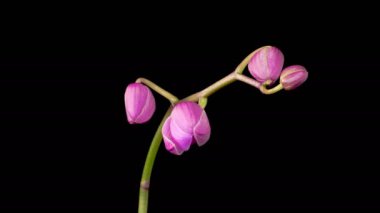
x,y
145,179
264,90
212,88
173,99
248,80
202,102
236,75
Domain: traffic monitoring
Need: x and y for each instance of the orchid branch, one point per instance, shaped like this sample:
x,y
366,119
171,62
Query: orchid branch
x,y
186,122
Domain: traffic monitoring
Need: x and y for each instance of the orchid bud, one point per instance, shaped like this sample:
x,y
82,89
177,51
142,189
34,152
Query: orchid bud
x,y
293,76
266,64
187,124
139,103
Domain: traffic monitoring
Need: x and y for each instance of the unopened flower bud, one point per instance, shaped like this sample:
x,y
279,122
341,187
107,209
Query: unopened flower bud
x,y
266,64
293,76
139,103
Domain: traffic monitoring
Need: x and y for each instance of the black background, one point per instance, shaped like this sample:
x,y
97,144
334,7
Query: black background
x,y
65,142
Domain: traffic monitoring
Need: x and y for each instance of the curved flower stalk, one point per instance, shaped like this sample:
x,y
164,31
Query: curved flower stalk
x,y
186,122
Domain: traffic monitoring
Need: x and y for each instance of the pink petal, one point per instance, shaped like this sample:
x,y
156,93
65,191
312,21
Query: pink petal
x,y
202,130
186,115
170,145
182,139
258,65
293,76
139,103
266,64
148,109
275,63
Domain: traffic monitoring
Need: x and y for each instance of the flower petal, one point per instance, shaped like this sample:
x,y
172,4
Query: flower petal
x,y
293,76
202,130
186,115
266,64
148,109
170,145
275,60
182,139
139,103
